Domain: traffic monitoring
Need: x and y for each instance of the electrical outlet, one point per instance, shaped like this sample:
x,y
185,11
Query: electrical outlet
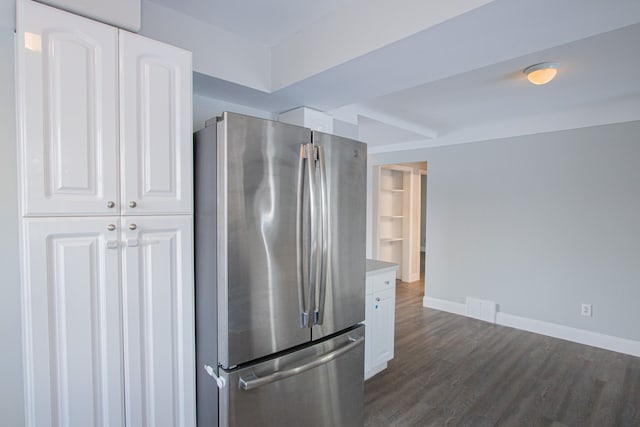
x,y
586,310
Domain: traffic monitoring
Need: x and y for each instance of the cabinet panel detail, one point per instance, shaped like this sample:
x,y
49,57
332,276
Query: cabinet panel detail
x,y
74,145
73,297
158,134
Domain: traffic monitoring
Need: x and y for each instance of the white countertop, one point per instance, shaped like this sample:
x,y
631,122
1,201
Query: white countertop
x,y
375,266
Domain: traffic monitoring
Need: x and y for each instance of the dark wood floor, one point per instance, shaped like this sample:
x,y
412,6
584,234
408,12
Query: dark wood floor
x,y
455,371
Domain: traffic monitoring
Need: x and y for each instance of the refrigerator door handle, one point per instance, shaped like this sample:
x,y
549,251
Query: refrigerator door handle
x,y
324,217
255,382
311,153
304,313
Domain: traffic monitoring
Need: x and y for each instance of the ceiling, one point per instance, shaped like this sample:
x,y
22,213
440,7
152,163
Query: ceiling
x,y
264,22
457,80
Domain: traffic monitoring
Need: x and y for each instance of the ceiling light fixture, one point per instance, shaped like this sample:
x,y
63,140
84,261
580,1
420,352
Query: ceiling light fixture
x,y
542,73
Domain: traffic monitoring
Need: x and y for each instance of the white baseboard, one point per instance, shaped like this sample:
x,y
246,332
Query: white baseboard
x,y
568,333
444,305
581,336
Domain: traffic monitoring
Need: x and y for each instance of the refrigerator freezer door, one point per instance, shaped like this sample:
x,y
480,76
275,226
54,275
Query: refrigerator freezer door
x,y
320,385
258,175
340,299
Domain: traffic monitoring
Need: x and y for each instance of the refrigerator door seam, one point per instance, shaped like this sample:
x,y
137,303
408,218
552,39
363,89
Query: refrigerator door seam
x,y
324,216
221,244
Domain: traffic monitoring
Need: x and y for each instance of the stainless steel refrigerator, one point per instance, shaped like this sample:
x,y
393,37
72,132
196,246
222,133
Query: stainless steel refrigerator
x,y
280,274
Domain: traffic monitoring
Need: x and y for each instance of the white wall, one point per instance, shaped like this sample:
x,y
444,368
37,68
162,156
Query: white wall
x,y
11,388
216,52
369,24
539,224
205,108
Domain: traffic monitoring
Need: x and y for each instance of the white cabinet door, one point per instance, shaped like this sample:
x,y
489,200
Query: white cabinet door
x,y
369,333
159,321
72,323
155,125
383,326
67,110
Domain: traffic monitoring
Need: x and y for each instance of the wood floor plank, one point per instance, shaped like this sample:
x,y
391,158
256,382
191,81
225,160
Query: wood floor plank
x,y
455,371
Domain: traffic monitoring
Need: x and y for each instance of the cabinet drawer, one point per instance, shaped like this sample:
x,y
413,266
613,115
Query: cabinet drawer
x,y
384,281
384,295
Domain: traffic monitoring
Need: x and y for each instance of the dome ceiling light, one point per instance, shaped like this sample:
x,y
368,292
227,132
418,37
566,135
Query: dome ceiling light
x,y
543,73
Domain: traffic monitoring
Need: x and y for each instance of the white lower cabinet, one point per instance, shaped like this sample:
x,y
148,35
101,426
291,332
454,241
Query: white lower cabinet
x,y
108,310
72,322
159,329
380,321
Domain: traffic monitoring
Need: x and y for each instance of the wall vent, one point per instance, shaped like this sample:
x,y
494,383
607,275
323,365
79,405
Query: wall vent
x,y
481,309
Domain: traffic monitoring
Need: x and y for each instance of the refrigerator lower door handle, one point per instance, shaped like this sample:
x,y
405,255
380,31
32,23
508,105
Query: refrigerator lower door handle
x,y
255,382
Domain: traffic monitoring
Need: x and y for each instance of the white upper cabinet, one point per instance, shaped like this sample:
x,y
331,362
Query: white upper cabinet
x,y
78,155
67,81
72,323
155,126
158,321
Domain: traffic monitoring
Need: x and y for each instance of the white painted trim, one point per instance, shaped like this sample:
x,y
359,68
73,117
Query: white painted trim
x,y
581,336
444,305
375,370
568,333
397,122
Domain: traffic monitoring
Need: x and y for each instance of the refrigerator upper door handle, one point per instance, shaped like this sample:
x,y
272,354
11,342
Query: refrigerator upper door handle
x,y
304,313
313,225
324,217
255,382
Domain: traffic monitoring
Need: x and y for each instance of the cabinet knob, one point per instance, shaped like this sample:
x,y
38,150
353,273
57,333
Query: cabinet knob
x,y
386,282
110,204
111,227
132,226
132,204
378,299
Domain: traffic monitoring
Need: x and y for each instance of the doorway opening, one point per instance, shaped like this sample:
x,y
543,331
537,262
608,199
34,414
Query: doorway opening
x,y
399,218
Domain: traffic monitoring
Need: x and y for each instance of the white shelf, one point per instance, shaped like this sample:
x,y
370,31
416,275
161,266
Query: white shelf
x,y
391,239
394,189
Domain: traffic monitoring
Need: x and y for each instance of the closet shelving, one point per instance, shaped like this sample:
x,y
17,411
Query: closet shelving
x,y
393,215
396,217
